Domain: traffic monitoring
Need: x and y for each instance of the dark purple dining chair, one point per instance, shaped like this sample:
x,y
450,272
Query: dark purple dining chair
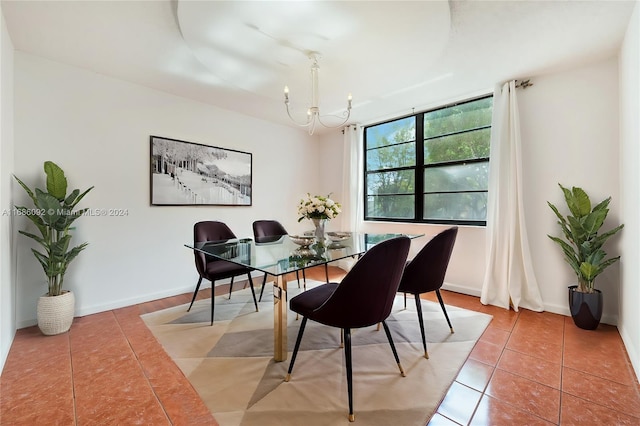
x,y
426,271
272,228
363,298
214,269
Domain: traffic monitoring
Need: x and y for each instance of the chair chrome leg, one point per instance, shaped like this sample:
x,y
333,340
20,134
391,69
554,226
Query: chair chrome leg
x,y
295,349
195,293
348,362
444,310
424,339
393,348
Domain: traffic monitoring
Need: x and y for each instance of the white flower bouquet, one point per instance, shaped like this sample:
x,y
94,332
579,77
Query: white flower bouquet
x,y
318,207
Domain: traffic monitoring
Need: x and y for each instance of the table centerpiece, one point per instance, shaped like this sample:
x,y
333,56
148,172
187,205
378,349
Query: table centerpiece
x,y
319,209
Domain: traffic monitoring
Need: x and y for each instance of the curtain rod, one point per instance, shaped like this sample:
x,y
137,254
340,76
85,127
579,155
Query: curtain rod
x,y
353,126
523,83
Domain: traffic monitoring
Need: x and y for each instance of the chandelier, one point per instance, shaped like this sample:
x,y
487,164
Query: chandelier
x,y
313,112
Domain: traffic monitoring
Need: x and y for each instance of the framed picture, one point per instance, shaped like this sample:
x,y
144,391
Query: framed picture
x,y
192,174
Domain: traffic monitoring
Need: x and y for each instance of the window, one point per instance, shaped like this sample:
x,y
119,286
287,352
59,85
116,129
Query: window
x,y
430,167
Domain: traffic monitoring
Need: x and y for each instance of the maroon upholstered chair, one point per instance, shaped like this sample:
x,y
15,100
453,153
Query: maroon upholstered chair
x,y
263,229
215,269
426,271
363,298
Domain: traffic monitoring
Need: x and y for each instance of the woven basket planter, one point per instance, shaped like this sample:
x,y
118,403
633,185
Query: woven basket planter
x,y
55,314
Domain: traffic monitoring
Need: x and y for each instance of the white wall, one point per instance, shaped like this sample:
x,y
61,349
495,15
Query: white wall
x,y
97,129
629,322
7,287
570,136
569,126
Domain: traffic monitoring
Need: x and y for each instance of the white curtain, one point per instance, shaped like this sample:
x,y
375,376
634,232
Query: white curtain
x,y
509,278
352,191
352,178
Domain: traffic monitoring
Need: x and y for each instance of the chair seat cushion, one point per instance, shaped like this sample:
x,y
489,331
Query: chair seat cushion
x,y
221,269
307,302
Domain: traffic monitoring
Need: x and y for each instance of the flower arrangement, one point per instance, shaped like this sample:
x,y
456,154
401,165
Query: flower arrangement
x,y
318,207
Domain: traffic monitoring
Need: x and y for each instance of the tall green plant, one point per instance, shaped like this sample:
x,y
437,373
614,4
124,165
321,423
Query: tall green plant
x,y
582,246
53,215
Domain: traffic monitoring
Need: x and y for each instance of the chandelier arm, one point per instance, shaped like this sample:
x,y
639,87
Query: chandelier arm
x,y
335,126
307,124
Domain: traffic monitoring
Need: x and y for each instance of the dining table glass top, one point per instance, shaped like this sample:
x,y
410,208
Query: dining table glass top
x,y
281,255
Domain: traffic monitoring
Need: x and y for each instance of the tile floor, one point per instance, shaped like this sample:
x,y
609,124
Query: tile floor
x,y
527,369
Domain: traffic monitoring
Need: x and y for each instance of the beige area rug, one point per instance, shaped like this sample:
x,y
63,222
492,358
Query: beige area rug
x,y
231,366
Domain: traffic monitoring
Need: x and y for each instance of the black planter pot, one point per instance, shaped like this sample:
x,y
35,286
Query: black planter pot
x,y
586,308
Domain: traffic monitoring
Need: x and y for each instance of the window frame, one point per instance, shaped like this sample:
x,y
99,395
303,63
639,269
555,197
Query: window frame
x,y
420,167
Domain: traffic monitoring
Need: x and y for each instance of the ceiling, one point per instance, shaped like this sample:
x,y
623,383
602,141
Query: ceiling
x,y
392,56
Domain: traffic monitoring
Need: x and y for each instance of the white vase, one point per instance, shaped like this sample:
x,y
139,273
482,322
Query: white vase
x,y
319,232
55,313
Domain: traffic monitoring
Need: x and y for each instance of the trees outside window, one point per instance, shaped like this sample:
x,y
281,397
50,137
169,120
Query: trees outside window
x,y
430,167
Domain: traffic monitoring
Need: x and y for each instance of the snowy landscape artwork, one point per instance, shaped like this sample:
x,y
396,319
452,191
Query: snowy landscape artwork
x,y
186,173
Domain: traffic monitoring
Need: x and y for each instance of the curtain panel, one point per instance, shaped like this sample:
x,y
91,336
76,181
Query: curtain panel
x,y
509,278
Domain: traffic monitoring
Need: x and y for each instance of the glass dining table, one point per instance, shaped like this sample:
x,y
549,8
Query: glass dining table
x,y
279,256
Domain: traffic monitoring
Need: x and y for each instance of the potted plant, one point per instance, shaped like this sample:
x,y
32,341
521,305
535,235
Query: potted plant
x,y
52,213
582,248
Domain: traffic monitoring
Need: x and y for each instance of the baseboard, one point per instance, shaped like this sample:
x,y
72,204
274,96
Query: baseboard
x,y
553,308
634,356
123,303
470,291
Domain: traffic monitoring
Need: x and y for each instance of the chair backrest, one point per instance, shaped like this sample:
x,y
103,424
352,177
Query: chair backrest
x,y
365,295
426,271
268,228
209,231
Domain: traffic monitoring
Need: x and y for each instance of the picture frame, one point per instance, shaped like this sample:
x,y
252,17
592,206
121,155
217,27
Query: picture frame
x,y
191,174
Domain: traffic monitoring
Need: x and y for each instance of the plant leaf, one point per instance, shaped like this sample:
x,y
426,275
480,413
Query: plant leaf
x,y
27,190
56,180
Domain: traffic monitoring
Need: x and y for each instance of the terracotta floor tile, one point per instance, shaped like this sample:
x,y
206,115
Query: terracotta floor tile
x,y
124,396
532,368
459,403
544,319
122,375
544,326
487,353
30,345
536,345
44,387
32,413
495,335
598,352
503,321
492,412
183,405
578,412
532,397
622,398
475,374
